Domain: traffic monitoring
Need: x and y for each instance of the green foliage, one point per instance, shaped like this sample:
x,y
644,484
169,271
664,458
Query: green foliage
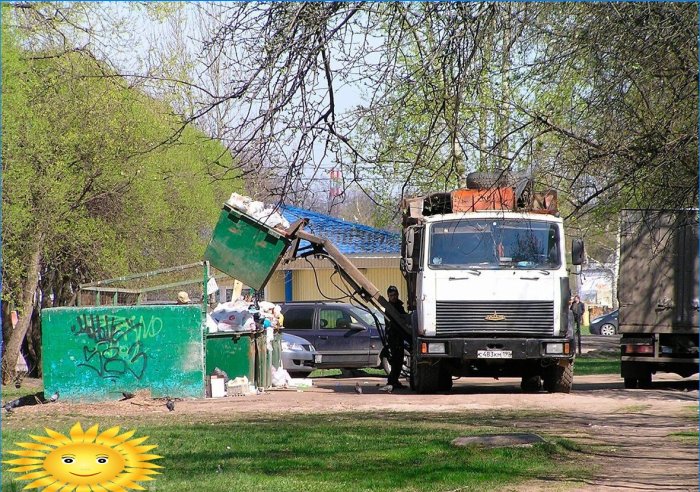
x,y
91,169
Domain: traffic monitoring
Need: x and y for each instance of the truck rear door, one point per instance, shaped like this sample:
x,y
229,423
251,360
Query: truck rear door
x,y
658,286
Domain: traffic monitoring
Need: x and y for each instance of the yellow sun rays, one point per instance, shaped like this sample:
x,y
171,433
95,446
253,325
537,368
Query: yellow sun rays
x,y
107,461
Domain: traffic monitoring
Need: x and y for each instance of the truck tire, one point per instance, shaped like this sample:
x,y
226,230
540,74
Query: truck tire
x,y
425,376
531,383
644,380
631,383
559,379
485,180
445,378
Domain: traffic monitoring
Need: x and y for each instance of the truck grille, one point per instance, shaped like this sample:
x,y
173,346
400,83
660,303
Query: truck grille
x,y
506,317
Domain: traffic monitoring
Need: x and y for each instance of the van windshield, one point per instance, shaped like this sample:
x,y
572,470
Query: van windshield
x,y
494,244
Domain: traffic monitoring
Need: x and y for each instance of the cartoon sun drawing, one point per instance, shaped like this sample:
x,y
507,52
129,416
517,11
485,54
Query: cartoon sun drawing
x,y
85,461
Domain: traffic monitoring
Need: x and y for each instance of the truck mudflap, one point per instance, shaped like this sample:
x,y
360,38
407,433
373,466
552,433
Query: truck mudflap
x,y
495,348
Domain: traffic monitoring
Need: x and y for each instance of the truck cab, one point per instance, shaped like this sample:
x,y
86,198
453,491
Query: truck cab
x,y
489,291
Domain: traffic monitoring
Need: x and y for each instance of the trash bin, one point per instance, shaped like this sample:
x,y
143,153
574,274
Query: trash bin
x,y
233,353
277,350
245,248
263,368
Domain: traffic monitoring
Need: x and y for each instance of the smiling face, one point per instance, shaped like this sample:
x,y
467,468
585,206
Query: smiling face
x,y
84,463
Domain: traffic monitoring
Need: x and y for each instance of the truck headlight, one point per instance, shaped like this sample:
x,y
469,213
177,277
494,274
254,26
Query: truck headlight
x,y
554,348
436,348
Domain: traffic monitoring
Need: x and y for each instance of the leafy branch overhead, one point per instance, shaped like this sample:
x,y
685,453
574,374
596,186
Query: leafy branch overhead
x,y
598,100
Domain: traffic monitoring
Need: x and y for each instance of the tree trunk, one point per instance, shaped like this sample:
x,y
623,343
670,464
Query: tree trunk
x,y
616,265
14,344
6,324
33,339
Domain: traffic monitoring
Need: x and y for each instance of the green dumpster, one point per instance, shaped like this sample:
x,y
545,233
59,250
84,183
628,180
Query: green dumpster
x,y
277,350
233,353
263,370
245,248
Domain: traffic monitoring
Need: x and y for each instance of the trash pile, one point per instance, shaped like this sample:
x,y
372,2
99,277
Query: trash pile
x,y
257,210
242,316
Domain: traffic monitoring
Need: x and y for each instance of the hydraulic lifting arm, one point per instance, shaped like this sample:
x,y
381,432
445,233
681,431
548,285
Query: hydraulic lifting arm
x,y
354,277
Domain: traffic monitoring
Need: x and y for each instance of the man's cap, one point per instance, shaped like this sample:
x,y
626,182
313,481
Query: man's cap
x,y
183,297
392,288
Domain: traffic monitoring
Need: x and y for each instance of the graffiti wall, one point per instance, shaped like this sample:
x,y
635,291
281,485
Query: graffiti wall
x,y
96,353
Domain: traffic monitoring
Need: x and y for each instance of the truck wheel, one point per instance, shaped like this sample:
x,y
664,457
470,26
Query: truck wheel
x,y
531,384
426,376
630,383
485,180
645,380
445,378
559,379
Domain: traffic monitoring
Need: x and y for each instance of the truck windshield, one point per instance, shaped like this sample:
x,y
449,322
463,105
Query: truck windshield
x,y
494,244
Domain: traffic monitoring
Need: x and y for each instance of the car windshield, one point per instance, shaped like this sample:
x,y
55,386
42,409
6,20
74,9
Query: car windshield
x,y
365,316
494,244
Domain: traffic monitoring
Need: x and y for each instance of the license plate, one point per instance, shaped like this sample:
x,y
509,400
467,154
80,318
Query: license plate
x,y
318,358
494,354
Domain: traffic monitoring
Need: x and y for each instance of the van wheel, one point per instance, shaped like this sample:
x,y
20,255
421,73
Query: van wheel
x,y
405,370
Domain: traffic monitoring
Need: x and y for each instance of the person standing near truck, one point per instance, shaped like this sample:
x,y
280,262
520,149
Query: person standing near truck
x,y
578,308
395,340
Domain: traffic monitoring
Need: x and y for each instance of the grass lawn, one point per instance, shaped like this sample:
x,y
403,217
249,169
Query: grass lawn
x,y
342,452
585,366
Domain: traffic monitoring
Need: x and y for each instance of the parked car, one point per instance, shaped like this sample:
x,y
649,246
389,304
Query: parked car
x,y
299,356
605,325
345,336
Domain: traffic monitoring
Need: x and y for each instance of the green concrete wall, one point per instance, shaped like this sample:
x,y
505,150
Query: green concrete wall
x,y
94,353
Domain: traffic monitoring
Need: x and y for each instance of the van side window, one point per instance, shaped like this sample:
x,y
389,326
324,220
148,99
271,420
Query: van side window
x,y
299,318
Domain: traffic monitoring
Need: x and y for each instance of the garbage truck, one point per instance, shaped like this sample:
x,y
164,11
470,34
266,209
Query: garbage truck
x,y
488,286
658,294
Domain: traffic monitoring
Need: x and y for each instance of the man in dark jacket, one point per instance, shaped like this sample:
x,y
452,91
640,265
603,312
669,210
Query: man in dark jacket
x,y
395,340
577,309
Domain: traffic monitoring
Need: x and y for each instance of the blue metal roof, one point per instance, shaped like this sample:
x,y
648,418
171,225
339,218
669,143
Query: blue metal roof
x,y
349,237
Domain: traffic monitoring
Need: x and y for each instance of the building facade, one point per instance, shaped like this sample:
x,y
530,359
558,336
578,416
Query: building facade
x,y
375,252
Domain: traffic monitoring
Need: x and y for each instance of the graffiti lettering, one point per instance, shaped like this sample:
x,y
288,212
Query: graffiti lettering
x,y
114,347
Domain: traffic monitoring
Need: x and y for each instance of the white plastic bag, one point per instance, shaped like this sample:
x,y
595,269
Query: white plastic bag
x,y
280,378
212,326
233,316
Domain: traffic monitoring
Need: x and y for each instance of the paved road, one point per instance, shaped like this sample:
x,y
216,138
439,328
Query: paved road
x,y
600,343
